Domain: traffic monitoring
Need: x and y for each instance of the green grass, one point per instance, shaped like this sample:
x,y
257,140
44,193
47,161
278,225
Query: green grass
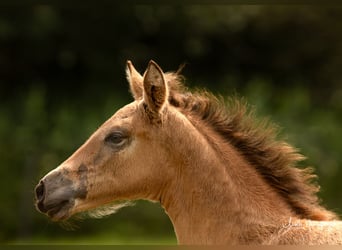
x,y
103,239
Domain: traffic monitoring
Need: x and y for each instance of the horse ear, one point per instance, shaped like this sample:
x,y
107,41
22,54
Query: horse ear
x,y
135,81
155,88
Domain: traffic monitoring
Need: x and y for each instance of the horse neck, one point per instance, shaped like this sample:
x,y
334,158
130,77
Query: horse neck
x,y
217,197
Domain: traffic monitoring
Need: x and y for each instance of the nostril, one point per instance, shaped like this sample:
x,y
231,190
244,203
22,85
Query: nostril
x,y
40,191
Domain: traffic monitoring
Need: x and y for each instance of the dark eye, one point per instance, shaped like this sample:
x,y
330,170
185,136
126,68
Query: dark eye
x,y
116,138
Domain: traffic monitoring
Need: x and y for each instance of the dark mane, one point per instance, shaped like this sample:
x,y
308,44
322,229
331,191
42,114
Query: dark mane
x,y
275,160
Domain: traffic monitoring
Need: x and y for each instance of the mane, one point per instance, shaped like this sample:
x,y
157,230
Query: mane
x,y
257,140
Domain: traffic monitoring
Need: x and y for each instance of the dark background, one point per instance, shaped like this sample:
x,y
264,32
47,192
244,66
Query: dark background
x,y
62,73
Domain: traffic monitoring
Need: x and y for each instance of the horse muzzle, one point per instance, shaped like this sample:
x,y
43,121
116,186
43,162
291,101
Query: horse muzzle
x,y
55,195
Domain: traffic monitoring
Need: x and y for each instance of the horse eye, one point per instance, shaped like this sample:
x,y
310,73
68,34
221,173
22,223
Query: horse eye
x,y
115,138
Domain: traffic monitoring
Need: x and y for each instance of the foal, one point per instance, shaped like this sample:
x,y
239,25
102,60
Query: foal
x,y
221,176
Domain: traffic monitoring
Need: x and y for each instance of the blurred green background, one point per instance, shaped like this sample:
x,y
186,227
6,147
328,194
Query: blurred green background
x,y
62,73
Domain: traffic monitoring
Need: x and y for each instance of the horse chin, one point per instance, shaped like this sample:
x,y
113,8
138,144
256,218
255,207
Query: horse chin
x,y
59,216
60,212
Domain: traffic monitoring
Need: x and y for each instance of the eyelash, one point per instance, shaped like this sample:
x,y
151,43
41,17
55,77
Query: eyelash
x,y
116,138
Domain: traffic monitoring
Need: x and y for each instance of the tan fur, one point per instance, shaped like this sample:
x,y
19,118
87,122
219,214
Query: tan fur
x,y
135,79
222,176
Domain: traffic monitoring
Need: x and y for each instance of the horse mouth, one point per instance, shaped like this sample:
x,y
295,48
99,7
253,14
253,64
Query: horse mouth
x,y
58,211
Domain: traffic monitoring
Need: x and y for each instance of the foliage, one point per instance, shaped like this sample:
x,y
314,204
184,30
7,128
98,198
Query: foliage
x,y
62,75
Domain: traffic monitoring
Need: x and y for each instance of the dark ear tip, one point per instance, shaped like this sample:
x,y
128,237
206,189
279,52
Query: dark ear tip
x,y
153,64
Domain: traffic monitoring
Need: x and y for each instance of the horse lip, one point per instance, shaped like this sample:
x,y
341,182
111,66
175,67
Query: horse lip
x,y
57,210
60,211
40,206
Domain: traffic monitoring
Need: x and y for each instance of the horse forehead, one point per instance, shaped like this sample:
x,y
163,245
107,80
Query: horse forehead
x,y
126,111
